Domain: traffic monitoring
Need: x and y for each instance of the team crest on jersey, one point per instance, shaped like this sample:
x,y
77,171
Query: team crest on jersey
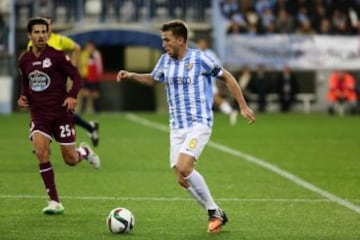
x,y
46,63
189,66
38,81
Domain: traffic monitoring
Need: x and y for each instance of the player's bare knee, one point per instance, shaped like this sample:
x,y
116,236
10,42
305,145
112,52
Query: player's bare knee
x,y
42,154
70,160
182,181
183,171
71,164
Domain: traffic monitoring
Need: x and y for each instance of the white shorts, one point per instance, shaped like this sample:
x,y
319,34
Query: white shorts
x,y
190,141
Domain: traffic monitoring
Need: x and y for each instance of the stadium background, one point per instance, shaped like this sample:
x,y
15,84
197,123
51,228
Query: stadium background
x,y
289,176
130,39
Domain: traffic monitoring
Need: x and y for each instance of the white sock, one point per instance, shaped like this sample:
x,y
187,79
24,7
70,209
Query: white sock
x,y
197,182
225,108
82,151
192,192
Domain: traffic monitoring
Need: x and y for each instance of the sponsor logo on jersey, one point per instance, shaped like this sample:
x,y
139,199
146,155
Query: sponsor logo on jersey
x,y
46,63
38,81
180,80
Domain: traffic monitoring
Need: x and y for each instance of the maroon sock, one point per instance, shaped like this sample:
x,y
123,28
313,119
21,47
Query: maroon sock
x,y
47,175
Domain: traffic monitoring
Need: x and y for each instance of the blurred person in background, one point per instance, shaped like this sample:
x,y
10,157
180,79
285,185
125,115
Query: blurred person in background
x,y
228,8
284,22
66,44
220,103
325,27
244,81
259,82
287,87
341,94
106,6
91,70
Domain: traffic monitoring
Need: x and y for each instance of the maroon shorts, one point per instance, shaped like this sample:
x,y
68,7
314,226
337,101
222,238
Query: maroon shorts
x,y
61,127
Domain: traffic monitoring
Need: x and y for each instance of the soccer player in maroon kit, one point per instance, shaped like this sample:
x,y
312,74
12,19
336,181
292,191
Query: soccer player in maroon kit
x,y
44,72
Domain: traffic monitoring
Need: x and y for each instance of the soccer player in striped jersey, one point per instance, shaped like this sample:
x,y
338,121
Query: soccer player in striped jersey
x,y
188,75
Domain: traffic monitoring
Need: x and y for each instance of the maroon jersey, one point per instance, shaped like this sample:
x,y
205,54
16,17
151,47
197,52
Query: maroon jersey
x,y
43,81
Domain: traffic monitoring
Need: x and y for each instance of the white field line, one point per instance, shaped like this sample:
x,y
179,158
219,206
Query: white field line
x,y
172,199
262,163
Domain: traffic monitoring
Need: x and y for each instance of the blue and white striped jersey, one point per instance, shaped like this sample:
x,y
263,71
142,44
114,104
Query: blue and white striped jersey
x,y
188,87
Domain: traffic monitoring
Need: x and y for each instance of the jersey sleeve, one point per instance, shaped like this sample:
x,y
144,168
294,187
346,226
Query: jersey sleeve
x,y
24,84
158,71
67,44
210,66
72,72
29,44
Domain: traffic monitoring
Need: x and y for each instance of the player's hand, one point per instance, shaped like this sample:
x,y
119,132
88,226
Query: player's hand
x,y
248,114
122,74
70,104
23,101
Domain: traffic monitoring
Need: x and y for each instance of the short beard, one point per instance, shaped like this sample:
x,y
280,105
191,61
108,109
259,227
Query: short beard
x,y
175,54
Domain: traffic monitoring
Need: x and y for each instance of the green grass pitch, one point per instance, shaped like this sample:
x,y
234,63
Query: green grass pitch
x,y
261,175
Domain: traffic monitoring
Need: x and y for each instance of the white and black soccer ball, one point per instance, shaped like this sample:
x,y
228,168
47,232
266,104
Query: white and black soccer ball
x,y
120,220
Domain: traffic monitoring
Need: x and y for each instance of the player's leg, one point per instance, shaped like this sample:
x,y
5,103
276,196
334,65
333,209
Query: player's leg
x,y
185,184
225,107
95,95
339,107
188,176
190,150
41,144
351,104
91,127
185,150
64,134
177,137
72,155
185,167
331,107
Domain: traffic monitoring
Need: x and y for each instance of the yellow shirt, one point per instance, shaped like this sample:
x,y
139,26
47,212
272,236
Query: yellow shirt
x,y
59,42
83,63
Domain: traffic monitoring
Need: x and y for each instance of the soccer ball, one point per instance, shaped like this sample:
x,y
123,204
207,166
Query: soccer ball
x,y
120,220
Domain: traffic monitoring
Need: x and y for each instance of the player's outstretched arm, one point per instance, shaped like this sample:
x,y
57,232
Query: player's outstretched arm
x,y
145,78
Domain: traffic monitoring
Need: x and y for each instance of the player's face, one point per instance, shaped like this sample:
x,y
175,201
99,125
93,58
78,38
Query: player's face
x,y
170,43
39,35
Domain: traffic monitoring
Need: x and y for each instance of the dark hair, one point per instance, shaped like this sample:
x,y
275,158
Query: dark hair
x,y
177,27
36,21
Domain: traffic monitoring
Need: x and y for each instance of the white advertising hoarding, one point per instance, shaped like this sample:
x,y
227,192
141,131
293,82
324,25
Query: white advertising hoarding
x,y
299,52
